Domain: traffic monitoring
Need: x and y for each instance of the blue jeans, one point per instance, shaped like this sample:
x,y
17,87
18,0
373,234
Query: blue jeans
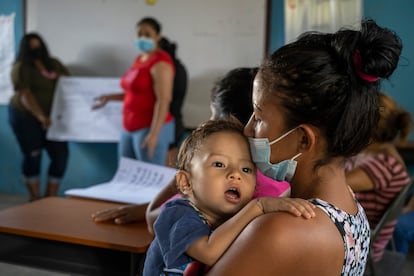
x,y
131,141
31,137
404,232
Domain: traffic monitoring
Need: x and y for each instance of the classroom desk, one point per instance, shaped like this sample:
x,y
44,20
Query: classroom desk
x,y
59,234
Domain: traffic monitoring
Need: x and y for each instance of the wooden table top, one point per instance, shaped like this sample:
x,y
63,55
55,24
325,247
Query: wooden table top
x,y
69,220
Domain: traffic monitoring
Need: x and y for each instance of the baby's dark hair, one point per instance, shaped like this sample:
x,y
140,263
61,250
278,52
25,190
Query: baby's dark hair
x,y
331,81
192,143
152,22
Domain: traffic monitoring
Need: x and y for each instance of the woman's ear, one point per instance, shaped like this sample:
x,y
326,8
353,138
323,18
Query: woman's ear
x,y
307,138
183,182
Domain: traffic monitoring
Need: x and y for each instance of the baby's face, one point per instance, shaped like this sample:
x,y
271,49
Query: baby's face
x,y
222,175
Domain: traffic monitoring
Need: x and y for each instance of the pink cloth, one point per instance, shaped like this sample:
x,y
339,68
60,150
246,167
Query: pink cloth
x,y
268,187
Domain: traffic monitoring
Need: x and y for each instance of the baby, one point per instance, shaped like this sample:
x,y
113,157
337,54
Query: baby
x,y
217,179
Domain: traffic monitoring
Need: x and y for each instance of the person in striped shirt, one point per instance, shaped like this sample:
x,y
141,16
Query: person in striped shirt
x,y
379,173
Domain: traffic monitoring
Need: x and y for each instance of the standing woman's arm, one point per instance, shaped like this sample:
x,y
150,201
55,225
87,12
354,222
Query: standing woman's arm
x,y
21,78
31,104
163,76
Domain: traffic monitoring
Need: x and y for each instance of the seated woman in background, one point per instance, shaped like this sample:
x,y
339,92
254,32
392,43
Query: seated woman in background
x,y
378,174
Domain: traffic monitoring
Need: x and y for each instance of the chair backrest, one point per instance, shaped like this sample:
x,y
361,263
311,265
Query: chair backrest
x,y
393,210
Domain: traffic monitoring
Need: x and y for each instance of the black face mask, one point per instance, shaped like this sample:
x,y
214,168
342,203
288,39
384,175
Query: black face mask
x,y
36,53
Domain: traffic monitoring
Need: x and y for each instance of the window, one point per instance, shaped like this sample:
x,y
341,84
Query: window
x,y
320,15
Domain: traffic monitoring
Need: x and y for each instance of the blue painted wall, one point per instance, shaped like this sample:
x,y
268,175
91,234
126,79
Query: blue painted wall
x,y
277,25
397,15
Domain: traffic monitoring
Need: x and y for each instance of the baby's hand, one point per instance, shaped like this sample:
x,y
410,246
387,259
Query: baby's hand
x,y
295,206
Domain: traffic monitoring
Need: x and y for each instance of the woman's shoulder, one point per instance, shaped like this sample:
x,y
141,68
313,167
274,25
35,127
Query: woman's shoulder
x,y
276,241
386,161
17,65
19,68
288,231
55,61
162,55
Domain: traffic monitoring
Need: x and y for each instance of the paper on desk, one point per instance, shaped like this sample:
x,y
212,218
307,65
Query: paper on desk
x,y
134,182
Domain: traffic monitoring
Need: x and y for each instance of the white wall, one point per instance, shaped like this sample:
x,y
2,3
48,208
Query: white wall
x,y
96,38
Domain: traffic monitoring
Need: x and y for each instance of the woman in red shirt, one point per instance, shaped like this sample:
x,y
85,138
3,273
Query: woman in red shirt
x,y
147,84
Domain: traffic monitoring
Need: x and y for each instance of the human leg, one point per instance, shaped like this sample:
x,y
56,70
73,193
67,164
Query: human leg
x,y
404,232
165,137
58,153
30,137
125,145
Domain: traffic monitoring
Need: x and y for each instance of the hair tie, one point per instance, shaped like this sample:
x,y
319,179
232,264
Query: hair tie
x,y
356,58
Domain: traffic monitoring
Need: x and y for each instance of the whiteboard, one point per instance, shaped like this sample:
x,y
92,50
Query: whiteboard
x,y
96,38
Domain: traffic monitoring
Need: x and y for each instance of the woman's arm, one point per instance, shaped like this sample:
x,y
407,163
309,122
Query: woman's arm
x,y
31,104
102,100
122,215
138,212
163,77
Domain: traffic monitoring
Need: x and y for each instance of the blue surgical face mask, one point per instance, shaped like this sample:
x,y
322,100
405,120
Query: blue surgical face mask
x,y
145,44
260,150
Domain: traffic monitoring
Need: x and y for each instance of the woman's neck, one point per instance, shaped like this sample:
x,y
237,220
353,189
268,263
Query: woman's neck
x,y
327,183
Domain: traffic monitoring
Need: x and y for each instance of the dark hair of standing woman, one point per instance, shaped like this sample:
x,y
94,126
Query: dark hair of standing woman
x,y
152,22
26,54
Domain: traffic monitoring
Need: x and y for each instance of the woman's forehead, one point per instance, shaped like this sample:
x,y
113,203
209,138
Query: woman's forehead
x,y
261,98
34,42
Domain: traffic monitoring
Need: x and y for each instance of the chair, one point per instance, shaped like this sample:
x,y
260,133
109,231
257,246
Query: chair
x,y
391,258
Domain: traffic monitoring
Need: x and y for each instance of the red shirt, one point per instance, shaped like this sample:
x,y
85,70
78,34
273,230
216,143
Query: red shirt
x,y
139,99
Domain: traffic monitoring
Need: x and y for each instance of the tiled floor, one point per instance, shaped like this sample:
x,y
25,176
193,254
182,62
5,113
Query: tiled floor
x,y
8,200
408,268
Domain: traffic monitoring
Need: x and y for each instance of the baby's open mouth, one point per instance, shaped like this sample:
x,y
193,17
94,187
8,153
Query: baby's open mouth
x,y
233,193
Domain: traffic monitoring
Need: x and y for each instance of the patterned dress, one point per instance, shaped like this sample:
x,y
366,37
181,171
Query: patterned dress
x,y
355,233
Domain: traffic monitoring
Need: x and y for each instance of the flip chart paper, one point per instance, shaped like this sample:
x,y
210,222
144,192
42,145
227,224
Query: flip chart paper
x,y
72,116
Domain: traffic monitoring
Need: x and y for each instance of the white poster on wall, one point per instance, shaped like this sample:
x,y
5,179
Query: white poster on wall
x,y
6,56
